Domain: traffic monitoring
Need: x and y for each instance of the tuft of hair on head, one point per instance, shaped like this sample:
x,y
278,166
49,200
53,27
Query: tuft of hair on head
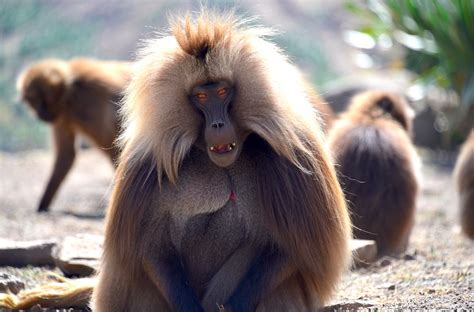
x,y
55,71
379,104
197,36
385,103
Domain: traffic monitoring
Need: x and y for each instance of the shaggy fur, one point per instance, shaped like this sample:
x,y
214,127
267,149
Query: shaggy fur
x,y
325,111
75,97
377,167
464,173
175,238
63,294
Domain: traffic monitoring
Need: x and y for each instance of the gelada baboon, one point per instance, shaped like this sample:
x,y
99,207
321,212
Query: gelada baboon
x,y
225,196
377,166
75,97
464,173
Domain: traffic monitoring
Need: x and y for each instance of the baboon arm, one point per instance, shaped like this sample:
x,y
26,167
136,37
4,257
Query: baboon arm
x,y
169,277
65,153
226,280
267,272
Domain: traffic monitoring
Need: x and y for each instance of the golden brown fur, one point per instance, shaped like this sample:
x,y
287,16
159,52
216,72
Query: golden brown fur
x,y
464,173
377,167
324,109
63,294
174,238
76,97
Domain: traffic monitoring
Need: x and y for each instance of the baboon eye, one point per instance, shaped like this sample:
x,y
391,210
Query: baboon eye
x,y
201,96
222,92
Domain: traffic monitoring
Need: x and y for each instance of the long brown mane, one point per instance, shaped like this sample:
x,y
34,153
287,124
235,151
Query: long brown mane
x,y
135,183
302,212
303,201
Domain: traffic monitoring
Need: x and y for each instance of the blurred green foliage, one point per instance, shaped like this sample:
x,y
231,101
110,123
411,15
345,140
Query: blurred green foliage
x,y
439,37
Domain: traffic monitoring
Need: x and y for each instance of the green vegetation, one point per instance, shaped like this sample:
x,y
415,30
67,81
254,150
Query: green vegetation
x,y
439,37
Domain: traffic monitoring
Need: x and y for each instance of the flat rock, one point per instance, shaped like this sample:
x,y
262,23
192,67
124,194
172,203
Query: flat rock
x,y
364,252
350,306
23,253
10,283
79,255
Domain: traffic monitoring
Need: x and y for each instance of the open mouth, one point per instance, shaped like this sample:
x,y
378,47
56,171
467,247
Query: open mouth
x,y
222,148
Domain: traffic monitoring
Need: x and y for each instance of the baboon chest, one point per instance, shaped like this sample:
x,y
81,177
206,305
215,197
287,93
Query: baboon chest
x,y
211,211
208,241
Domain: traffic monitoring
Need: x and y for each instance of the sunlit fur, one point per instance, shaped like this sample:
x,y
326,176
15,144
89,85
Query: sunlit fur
x,y
61,294
326,114
76,97
464,173
378,167
304,207
232,56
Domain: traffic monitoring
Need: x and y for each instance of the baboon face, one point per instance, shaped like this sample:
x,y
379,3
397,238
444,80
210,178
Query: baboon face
x,y
214,100
43,96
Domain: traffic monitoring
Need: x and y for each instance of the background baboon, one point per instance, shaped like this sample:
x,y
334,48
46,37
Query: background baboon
x,y
377,165
225,195
75,97
464,174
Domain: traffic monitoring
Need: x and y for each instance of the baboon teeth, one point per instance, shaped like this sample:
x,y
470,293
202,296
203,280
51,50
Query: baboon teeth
x,y
222,148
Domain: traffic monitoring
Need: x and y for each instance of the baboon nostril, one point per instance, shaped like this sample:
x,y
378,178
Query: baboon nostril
x,y
217,124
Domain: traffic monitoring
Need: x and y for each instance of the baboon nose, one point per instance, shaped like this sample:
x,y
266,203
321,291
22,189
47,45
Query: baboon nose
x,y
217,124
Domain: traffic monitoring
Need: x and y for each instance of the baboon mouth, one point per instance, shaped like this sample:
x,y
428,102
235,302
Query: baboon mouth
x,y
222,148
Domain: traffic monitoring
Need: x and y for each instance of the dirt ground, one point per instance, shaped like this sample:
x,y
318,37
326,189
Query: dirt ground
x,y
436,272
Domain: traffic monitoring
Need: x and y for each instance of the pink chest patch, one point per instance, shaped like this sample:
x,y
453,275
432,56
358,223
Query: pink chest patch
x,y
233,196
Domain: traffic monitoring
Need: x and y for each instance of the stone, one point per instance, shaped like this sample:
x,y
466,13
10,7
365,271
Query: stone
x,y
389,286
424,128
10,284
364,252
79,255
350,306
339,97
36,308
23,253
385,262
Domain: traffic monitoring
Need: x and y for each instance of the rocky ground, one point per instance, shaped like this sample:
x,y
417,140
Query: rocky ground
x,y
436,272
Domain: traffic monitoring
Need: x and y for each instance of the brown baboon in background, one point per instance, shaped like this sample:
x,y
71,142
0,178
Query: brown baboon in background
x,y
75,97
225,195
464,174
377,166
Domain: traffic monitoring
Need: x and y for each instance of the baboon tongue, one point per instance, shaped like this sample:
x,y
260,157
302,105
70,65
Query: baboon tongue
x,y
222,148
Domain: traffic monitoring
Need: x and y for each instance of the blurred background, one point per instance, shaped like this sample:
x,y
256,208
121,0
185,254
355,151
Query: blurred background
x,y
423,49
